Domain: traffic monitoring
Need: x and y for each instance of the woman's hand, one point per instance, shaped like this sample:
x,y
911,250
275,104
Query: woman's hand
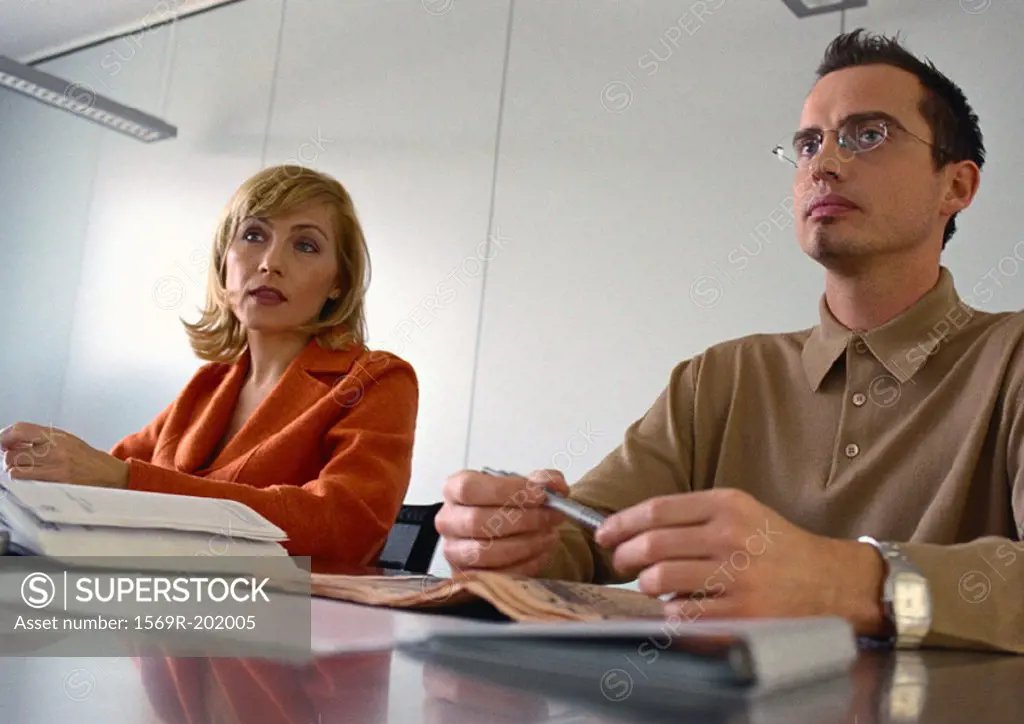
x,y
33,452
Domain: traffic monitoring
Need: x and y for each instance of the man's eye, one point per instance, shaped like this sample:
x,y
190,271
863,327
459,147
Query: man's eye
x,y
870,137
806,147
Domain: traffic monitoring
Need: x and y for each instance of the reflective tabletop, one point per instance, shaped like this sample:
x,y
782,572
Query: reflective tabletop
x,y
364,679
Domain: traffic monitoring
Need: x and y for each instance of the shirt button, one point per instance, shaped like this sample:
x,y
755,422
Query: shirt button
x,y
859,399
860,346
852,449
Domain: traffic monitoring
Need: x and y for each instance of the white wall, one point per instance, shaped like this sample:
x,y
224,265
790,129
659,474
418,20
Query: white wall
x,y
626,191
155,208
623,178
402,106
41,248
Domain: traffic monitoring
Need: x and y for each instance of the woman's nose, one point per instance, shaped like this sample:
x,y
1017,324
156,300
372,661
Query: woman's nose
x,y
272,260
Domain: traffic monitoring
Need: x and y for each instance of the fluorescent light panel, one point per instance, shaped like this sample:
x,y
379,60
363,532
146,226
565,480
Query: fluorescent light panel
x,y
79,99
804,8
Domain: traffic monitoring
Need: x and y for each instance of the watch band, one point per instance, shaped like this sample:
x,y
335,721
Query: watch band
x,y
906,597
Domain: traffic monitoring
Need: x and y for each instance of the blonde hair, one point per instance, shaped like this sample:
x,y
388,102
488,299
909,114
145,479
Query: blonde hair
x,y
218,336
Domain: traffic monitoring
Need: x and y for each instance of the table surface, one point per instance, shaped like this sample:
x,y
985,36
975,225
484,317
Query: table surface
x,y
365,680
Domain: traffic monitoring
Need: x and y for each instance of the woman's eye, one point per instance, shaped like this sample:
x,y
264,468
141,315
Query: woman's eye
x,y
252,235
307,247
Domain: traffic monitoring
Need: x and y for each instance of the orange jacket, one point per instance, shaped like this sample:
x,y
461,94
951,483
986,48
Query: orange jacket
x,y
327,456
352,687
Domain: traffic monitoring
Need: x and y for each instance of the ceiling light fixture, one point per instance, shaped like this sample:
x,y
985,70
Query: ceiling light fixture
x,y
805,8
80,99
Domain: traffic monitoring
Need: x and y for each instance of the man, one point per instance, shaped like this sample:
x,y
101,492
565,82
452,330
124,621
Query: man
x,y
747,487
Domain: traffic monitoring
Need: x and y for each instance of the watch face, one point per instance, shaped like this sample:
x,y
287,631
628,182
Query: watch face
x,y
911,600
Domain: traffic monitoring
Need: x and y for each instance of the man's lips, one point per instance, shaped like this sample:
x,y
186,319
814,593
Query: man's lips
x,y
829,205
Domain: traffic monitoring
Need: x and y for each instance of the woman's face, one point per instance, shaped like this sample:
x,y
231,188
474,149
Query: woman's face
x,y
281,270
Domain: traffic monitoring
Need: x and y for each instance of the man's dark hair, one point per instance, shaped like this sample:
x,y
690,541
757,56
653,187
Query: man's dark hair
x,y
955,131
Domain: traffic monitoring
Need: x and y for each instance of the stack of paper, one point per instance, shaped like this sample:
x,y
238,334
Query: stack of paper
x,y
66,522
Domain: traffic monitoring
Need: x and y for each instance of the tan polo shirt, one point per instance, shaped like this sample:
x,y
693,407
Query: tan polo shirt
x,y
912,432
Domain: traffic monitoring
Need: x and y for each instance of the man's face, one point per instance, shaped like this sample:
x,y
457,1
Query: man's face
x,y
889,198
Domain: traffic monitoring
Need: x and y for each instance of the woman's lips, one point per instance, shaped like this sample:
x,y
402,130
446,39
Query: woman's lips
x,y
267,296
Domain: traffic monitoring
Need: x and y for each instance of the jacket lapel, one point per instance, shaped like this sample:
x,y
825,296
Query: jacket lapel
x,y
294,394
210,420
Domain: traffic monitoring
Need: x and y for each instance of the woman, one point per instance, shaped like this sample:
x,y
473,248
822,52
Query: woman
x,y
292,415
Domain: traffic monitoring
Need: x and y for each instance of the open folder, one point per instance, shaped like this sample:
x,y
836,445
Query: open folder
x,y
584,631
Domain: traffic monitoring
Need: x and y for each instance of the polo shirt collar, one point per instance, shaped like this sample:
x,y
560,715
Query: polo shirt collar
x,y
902,345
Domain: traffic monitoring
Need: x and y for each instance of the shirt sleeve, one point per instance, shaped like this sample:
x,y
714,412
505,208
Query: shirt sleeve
x,y
977,592
977,587
346,512
654,458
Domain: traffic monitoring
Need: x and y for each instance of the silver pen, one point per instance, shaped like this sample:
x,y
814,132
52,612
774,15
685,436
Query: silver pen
x,y
587,517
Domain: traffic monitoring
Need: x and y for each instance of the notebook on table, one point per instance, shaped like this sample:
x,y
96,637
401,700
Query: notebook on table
x,y
591,633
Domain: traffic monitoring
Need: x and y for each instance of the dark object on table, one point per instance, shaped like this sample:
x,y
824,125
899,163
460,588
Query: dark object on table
x,y
411,542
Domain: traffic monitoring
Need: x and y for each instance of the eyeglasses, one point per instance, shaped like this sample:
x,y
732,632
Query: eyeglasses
x,y
857,135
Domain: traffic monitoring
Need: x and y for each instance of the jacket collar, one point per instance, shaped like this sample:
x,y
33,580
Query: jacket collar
x,y
317,360
902,345
295,393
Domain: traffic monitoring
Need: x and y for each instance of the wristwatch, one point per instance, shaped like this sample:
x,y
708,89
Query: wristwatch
x,y
906,597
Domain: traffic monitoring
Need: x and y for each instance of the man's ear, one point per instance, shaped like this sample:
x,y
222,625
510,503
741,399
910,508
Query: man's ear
x,y
964,180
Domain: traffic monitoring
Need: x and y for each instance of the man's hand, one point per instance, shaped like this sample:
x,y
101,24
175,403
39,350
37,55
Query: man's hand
x,y
726,555
499,523
33,452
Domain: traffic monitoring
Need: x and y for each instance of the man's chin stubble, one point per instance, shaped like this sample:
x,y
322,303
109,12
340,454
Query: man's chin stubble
x,y
826,245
